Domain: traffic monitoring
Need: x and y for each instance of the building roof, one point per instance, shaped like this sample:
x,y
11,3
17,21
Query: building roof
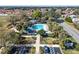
x,y
33,21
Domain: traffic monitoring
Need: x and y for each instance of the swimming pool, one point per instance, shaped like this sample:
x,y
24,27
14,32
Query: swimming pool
x,y
38,27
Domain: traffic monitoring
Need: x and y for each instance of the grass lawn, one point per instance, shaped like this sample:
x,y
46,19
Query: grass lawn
x,y
70,51
41,50
3,21
28,40
48,40
31,40
32,50
71,24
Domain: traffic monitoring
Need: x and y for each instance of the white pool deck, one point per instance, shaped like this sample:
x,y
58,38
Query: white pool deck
x,y
46,27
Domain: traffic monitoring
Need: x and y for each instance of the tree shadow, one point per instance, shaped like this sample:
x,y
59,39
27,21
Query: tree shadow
x,y
59,21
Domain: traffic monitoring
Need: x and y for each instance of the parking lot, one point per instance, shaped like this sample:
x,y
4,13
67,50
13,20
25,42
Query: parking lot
x,y
54,49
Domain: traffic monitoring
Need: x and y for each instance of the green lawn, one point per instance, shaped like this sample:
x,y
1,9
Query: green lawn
x,y
70,51
32,50
47,40
41,50
3,21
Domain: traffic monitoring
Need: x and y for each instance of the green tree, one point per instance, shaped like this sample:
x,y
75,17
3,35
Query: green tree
x,y
19,21
12,37
68,19
77,47
41,32
36,14
7,37
12,20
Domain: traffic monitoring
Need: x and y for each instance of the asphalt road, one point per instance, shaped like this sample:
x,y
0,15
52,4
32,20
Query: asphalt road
x,y
71,31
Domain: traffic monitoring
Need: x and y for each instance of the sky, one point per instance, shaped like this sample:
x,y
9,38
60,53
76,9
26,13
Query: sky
x,y
39,2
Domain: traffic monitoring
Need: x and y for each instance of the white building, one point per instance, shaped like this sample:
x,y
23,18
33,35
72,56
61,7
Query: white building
x,y
74,19
3,14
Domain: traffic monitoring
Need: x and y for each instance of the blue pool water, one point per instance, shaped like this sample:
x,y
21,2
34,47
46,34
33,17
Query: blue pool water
x,y
38,27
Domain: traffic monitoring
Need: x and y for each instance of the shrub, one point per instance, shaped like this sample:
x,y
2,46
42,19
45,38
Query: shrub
x,y
36,14
68,19
41,32
77,47
56,42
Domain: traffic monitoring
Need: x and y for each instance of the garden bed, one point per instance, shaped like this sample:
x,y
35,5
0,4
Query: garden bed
x,y
28,40
48,40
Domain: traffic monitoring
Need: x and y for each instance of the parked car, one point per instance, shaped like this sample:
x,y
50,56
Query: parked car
x,y
19,50
23,50
57,50
46,50
52,50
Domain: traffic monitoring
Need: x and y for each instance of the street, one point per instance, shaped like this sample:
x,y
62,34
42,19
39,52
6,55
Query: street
x,y
71,31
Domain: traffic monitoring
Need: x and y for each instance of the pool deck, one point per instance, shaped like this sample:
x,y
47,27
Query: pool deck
x,y
46,27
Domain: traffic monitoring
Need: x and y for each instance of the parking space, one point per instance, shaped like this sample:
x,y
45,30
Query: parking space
x,y
21,50
51,50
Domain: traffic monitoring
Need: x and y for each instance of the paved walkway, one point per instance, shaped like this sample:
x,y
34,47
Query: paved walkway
x,y
38,44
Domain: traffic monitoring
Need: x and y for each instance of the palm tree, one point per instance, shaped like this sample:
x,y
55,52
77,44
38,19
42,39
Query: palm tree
x,y
37,14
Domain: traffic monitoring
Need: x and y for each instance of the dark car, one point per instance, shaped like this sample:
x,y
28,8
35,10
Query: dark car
x,y
52,50
69,44
13,50
19,50
23,50
57,50
46,50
